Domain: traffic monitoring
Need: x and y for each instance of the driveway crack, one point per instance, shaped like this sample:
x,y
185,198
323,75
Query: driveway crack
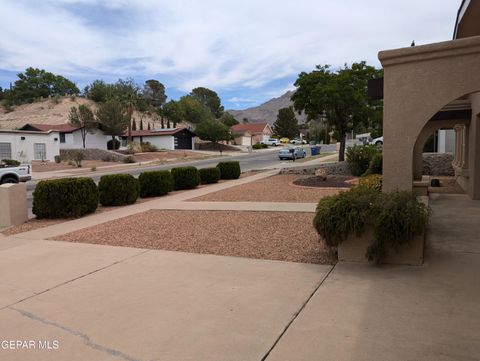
x,y
86,339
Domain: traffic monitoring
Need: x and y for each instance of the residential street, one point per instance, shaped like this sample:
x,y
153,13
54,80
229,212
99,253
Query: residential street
x,y
256,160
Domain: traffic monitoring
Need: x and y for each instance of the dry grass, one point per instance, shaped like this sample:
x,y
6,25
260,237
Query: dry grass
x,y
52,166
273,235
277,188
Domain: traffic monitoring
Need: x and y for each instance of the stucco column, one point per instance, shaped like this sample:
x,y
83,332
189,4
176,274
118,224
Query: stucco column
x,y
474,149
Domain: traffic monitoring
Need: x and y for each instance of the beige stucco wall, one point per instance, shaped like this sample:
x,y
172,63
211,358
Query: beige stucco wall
x,y
419,82
473,189
13,200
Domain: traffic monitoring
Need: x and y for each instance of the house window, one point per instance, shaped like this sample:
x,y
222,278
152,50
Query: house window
x,y
40,151
5,151
62,137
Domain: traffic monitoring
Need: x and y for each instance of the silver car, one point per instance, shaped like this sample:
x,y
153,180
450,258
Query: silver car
x,y
292,153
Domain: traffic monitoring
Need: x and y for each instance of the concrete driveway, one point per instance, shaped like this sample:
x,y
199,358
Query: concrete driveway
x,y
113,303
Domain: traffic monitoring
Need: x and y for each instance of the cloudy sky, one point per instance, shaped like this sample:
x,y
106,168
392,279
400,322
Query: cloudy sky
x,y
247,50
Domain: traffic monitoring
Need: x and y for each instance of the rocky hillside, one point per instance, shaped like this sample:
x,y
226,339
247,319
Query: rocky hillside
x,y
48,111
267,111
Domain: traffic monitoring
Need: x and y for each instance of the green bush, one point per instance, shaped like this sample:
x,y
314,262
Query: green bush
x,y
229,170
118,189
359,157
11,162
257,146
113,145
209,175
185,178
155,184
396,218
63,198
148,147
373,181
129,159
58,159
376,164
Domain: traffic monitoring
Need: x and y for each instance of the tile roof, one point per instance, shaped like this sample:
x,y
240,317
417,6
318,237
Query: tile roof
x,y
62,128
249,127
156,132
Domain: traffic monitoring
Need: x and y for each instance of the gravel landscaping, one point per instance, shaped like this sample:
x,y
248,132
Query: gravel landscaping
x,y
277,188
330,182
274,235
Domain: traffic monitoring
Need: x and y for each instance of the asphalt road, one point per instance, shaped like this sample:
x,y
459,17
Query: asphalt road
x,y
247,162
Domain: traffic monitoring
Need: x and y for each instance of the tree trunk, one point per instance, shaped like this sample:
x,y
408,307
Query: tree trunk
x,y
341,152
84,135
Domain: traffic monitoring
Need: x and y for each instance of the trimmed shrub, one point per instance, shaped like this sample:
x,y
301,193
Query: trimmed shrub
x,y
373,181
11,162
359,157
113,145
396,218
58,159
156,183
209,175
229,170
259,146
376,164
185,178
118,189
64,198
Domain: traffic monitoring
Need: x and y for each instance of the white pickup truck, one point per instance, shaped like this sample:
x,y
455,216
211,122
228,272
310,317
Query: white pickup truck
x,y
12,174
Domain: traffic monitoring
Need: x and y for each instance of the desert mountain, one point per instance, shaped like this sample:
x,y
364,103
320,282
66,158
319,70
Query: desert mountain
x,y
51,111
267,111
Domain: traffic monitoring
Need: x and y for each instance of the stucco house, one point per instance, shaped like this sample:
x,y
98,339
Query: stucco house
x,y
428,88
70,137
251,133
26,146
174,138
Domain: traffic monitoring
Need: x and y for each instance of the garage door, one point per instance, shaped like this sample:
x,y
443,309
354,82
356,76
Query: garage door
x,y
183,142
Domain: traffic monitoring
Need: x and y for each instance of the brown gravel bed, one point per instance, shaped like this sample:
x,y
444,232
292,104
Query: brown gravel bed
x,y
39,167
264,235
272,189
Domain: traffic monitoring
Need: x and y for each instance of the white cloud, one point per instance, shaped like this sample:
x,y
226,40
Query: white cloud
x,y
213,43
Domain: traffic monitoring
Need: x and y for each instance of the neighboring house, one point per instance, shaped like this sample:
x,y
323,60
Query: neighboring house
x,y
71,137
249,134
26,146
175,138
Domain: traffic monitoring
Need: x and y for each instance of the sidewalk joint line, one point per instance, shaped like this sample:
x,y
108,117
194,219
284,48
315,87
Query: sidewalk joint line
x,y
75,279
297,313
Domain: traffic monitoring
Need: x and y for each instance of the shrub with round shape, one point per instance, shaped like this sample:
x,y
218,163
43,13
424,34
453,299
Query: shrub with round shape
x,y
185,178
155,184
65,198
118,189
229,170
359,157
373,181
209,175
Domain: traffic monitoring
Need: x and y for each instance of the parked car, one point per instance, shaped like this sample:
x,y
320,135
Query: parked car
x,y
377,141
298,141
284,140
292,153
12,174
272,141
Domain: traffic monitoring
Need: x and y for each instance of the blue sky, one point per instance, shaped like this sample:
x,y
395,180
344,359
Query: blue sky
x,y
248,51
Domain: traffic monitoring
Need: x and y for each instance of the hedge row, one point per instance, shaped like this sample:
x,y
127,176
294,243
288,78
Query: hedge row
x,y
75,197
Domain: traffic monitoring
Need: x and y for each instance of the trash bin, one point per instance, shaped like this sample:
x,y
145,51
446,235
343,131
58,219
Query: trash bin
x,y
314,151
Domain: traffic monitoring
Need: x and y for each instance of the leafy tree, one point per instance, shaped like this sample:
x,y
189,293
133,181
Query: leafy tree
x,y
98,91
338,96
112,117
154,93
36,83
195,111
228,119
286,124
210,99
149,128
83,118
128,93
213,131
174,112
134,124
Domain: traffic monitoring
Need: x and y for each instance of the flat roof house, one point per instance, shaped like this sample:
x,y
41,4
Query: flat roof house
x,y
175,138
432,87
26,146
